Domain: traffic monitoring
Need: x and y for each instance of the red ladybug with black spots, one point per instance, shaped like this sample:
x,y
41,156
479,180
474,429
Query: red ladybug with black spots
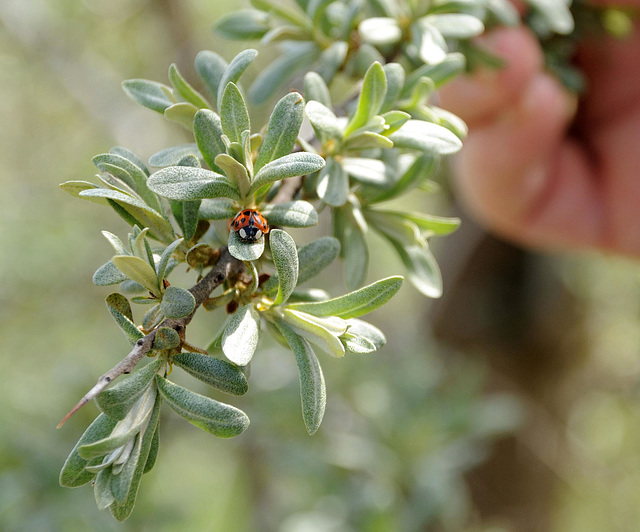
x,y
250,225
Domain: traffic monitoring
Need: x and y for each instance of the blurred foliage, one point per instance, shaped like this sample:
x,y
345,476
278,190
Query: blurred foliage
x,y
367,469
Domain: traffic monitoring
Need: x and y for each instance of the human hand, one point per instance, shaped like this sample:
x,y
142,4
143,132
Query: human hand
x,y
530,178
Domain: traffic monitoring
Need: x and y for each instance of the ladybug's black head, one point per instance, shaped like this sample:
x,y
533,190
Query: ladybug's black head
x,y
250,233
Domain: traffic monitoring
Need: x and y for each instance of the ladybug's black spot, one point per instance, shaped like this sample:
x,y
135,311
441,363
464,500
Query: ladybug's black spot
x,y
246,213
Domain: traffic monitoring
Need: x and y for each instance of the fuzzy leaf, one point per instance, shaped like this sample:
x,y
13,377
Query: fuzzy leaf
x,y
316,89
108,274
233,113
427,137
181,113
210,67
374,89
75,187
355,303
441,73
297,213
153,452
365,140
321,332
162,265
422,267
356,256
120,309
117,400
149,94
217,209
232,74
282,130
285,258
236,172
366,330
456,25
368,171
138,270
166,338
185,90
324,121
213,371
312,387
333,183
73,473
243,250
135,176
243,24
186,183
316,256
177,302
171,156
294,164
380,31
420,170
207,130
220,419
395,75
241,335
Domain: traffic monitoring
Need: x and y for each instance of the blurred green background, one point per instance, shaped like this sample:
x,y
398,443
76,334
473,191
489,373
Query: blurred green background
x,y
509,405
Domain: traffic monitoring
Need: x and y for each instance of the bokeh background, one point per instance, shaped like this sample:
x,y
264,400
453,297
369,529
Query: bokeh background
x,y
511,404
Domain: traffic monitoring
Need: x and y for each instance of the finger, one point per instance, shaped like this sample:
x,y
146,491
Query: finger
x,y
479,97
521,180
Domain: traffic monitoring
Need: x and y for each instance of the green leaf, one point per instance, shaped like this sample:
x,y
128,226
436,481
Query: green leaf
x,y
309,294
186,183
325,123
364,329
356,256
166,338
357,345
394,120
102,490
181,113
427,137
122,475
374,89
149,94
233,113
436,225
316,89
365,170
132,157
440,74
333,183
322,332
282,130
108,274
185,90
75,187
153,452
220,419
422,267
294,164
243,24
365,140
161,267
395,81
429,42
207,130
213,371
138,270
380,31
331,59
120,309
217,209
297,213
210,67
285,258
236,172
232,74
316,256
116,401
73,473
171,156
241,335
355,303
420,170
177,302
456,25
556,14
312,387
243,250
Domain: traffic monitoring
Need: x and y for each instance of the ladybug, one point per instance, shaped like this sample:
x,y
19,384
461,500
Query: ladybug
x,y
250,225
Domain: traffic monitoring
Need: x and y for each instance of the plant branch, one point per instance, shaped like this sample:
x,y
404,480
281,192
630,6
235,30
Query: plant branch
x,y
226,267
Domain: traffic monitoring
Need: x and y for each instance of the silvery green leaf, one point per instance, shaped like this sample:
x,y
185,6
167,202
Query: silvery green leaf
x,y
285,33
436,225
121,482
75,187
362,59
132,157
420,170
135,177
316,8
396,227
356,256
285,258
140,246
380,31
233,113
181,113
440,73
217,209
427,137
115,242
171,156
220,419
312,387
185,90
73,473
161,267
556,14
366,330
117,400
374,90
357,345
187,184
243,24
395,81
108,274
333,183
423,270
153,452
297,213
320,331
355,303
394,120
207,130
431,46
137,270
166,338
288,11
315,89
241,335
331,59
152,317
294,164
236,172
133,477
149,94
120,309
102,490
365,140
233,72
243,250
364,170
456,25
177,302
215,372
308,294
452,122
282,130
210,67
281,70
324,121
